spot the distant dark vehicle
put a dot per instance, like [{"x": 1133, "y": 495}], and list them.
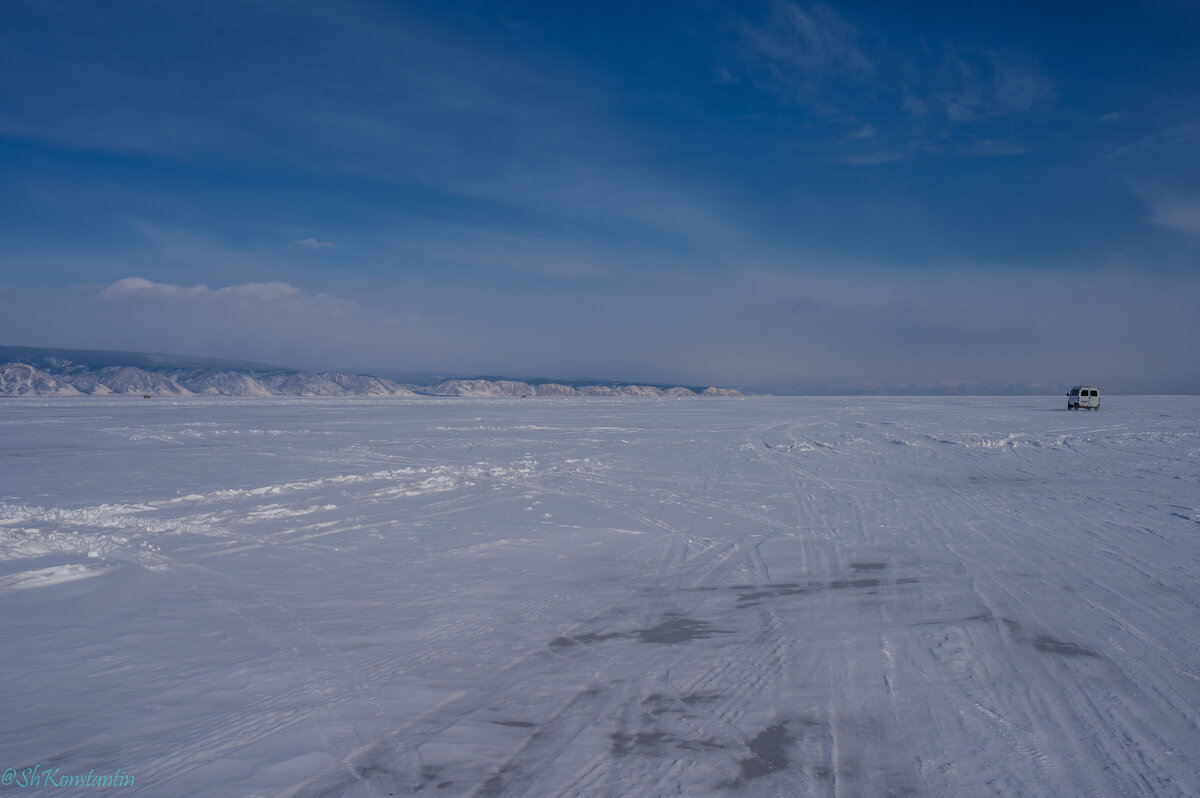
[{"x": 1085, "y": 396}]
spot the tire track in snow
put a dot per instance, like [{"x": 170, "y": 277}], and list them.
[{"x": 1044, "y": 721}]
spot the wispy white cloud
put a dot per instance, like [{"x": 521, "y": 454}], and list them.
[
  {"x": 805, "y": 45},
  {"x": 1169, "y": 206},
  {"x": 891, "y": 97},
  {"x": 362, "y": 102},
  {"x": 1181, "y": 214},
  {"x": 889, "y": 152},
  {"x": 1017, "y": 88},
  {"x": 995, "y": 147},
  {"x": 556, "y": 260},
  {"x": 278, "y": 294},
  {"x": 973, "y": 85},
  {"x": 625, "y": 196},
  {"x": 312, "y": 243},
  {"x": 876, "y": 157},
  {"x": 1172, "y": 136}
]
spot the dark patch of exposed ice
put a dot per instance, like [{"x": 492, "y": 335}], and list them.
[
  {"x": 676, "y": 629},
  {"x": 1052, "y": 646},
  {"x": 700, "y": 698},
  {"x": 591, "y": 637},
  {"x": 768, "y": 753},
  {"x": 841, "y": 584},
  {"x": 623, "y": 743}
]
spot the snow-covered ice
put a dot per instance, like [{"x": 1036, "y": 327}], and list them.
[{"x": 603, "y": 597}]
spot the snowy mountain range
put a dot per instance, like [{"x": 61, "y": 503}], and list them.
[{"x": 31, "y": 371}]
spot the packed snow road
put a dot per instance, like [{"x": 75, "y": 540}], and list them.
[{"x": 544, "y": 597}]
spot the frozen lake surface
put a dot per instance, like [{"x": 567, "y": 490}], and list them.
[{"x": 540, "y": 597}]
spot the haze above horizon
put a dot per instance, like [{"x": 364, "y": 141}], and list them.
[{"x": 765, "y": 194}]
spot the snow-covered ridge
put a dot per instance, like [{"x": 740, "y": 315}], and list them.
[
  {"x": 18, "y": 379},
  {"x": 50, "y": 374},
  {"x": 21, "y": 379},
  {"x": 519, "y": 388}
]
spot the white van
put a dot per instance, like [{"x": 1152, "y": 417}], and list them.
[{"x": 1085, "y": 396}]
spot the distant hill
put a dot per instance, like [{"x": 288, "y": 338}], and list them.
[
  {"x": 55, "y": 360},
  {"x": 35, "y": 371}
]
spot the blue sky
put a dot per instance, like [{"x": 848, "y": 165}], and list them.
[{"x": 769, "y": 194}]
